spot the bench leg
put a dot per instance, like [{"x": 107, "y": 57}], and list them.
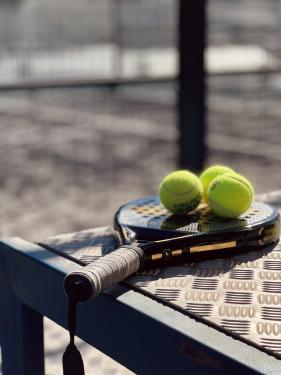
[{"x": 21, "y": 333}]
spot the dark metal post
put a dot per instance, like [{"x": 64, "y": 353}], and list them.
[
  {"x": 191, "y": 97},
  {"x": 116, "y": 37}
]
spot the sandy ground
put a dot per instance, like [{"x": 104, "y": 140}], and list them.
[
  {"x": 74, "y": 166},
  {"x": 69, "y": 158}
]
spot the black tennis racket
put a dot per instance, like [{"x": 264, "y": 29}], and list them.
[{"x": 151, "y": 237}]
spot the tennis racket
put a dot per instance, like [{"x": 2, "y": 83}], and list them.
[{"x": 151, "y": 237}]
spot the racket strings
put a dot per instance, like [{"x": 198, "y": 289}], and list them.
[{"x": 149, "y": 213}]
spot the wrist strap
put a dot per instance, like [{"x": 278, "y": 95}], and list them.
[{"x": 72, "y": 360}]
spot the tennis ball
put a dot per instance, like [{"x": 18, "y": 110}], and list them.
[
  {"x": 180, "y": 192},
  {"x": 209, "y": 174},
  {"x": 230, "y": 195}
]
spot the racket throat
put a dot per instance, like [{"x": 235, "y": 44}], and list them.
[
  {"x": 167, "y": 253},
  {"x": 172, "y": 249}
]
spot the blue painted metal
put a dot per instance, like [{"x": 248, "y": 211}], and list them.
[
  {"x": 21, "y": 330},
  {"x": 135, "y": 330}
]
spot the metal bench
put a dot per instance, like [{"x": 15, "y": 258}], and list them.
[{"x": 142, "y": 332}]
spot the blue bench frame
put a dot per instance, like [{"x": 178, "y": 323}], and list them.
[{"x": 135, "y": 330}]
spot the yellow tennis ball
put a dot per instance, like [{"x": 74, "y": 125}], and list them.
[
  {"x": 180, "y": 192},
  {"x": 209, "y": 174},
  {"x": 230, "y": 195}
]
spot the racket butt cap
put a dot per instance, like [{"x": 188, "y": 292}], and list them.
[{"x": 78, "y": 287}]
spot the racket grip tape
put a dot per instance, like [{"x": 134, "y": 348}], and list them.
[{"x": 87, "y": 283}]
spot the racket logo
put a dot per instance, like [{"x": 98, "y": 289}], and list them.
[{"x": 167, "y": 253}]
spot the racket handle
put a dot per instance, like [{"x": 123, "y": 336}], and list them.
[{"x": 87, "y": 283}]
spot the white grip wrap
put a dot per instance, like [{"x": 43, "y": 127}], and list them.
[{"x": 108, "y": 270}]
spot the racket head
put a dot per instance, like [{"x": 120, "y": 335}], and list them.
[{"x": 146, "y": 219}]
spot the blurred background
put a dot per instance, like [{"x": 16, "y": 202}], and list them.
[
  {"x": 100, "y": 99},
  {"x": 90, "y": 115}
]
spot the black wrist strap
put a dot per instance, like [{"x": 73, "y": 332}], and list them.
[{"x": 72, "y": 360}]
